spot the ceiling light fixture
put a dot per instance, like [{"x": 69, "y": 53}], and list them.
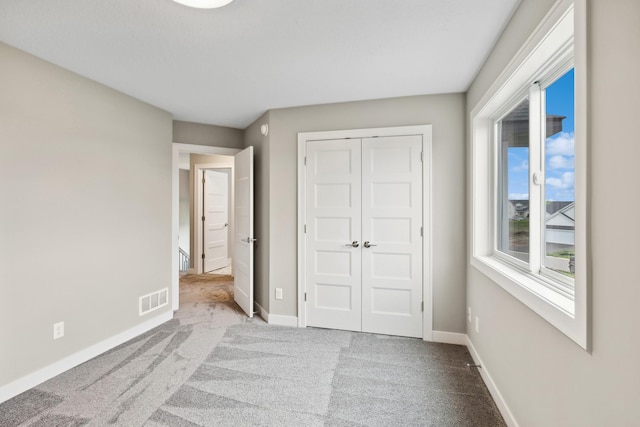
[{"x": 204, "y": 4}]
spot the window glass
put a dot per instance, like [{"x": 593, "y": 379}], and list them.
[
  {"x": 513, "y": 197},
  {"x": 559, "y": 227}
]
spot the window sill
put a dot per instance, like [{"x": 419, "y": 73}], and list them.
[{"x": 556, "y": 308}]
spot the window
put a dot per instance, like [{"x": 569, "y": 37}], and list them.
[
  {"x": 529, "y": 174},
  {"x": 534, "y": 147}
]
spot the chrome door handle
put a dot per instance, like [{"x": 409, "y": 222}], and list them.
[
  {"x": 368, "y": 245},
  {"x": 249, "y": 240},
  {"x": 355, "y": 244}
]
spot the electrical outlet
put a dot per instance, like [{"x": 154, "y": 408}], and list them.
[
  {"x": 278, "y": 293},
  {"x": 477, "y": 325},
  {"x": 469, "y": 314},
  {"x": 58, "y": 330}
]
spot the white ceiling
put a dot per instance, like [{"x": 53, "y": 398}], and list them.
[{"x": 227, "y": 66}]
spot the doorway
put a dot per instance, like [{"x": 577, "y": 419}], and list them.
[
  {"x": 364, "y": 246},
  {"x": 243, "y": 238}
]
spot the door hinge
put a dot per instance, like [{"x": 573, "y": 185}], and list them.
[
  {"x": 422, "y": 306},
  {"x": 203, "y": 218},
  {"x": 202, "y": 256},
  {"x": 305, "y": 160},
  {"x": 305, "y": 297},
  {"x": 203, "y": 180},
  {"x": 421, "y": 232},
  {"x": 422, "y": 156},
  {"x": 305, "y": 229}
]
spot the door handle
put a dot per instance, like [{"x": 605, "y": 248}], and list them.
[
  {"x": 249, "y": 240},
  {"x": 368, "y": 245},
  {"x": 354, "y": 244},
  {"x": 226, "y": 224}
]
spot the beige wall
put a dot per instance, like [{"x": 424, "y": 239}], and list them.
[
  {"x": 262, "y": 197},
  {"x": 210, "y": 135},
  {"x": 545, "y": 378},
  {"x": 85, "y": 184},
  {"x": 446, "y": 114}
]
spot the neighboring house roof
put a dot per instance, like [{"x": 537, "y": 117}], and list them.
[
  {"x": 518, "y": 208},
  {"x": 565, "y": 217},
  {"x": 520, "y": 205},
  {"x": 553, "y": 207},
  {"x": 558, "y": 213}
]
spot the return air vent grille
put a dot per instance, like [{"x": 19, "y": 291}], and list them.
[{"x": 154, "y": 301}]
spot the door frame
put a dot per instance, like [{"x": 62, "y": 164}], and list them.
[
  {"x": 426, "y": 132},
  {"x": 198, "y": 208},
  {"x": 178, "y": 148}
]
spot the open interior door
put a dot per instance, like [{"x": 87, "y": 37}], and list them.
[
  {"x": 215, "y": 220},
  {"x": 244, "y": 238}
]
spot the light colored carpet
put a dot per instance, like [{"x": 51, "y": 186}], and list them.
[{"x": 212, "y": 366}]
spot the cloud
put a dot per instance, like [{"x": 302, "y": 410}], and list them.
[
  {"x": 560, "y": 162},
  {"x": 561, "y": 144},
  {"x": 523, "y": 167},
  {"x": 564, "y": 182},
  {"x": 518, "y": 196}
]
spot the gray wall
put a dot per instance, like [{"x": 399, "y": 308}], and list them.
[
  {"x": 202, "y": 134},
  {"x": 85, "y": 183},
  {"x": 446, "y": 114},
  {"x": 261, "y": 146},
  {"x": 544, "y": 377}
]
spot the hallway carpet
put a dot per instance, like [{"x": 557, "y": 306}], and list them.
[{"x": 212, "y": 366}]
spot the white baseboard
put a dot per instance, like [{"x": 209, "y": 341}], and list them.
[
  {"x": 449, "y": 338},
  {"x": 493, "y": 389},
  {"x": 276, "y": 319},
  {"x": 261, "y": 312},
  {"x": 41, "y": 375}
]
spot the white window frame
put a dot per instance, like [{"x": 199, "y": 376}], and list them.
[{"x": 558, "y": 43}]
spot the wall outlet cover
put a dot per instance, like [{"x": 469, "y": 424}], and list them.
[{"x": 58, "y": 330}]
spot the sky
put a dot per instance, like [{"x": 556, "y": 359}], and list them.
[{"x": 559, "y": 149}]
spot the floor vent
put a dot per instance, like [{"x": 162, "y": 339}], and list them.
[{"x": 154, "y": 301}]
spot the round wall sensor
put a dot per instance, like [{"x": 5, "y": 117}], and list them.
[{"x": 264, "y": 129}]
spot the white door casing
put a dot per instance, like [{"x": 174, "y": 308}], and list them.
[
  {"x": 216, "y": 220},
  {"x": 395, "y": 213},
  {"x": 333, "y": 212},
  {"x": 177, "y": 150},
  {"x": 391, "y": 234},
  {"x": 244, "y": 238}
]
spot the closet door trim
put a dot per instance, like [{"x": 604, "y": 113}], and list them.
[{"x": 425, "y": 131}]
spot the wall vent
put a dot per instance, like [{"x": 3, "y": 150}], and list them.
[{"x": 154, "y": 301}]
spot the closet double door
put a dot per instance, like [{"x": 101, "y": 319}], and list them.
[{"x": 364, "y": 234}]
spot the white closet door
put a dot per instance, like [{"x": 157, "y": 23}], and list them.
[
  {"x": 391, "y": 224},
  {"x": 333, "y": 213}
]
